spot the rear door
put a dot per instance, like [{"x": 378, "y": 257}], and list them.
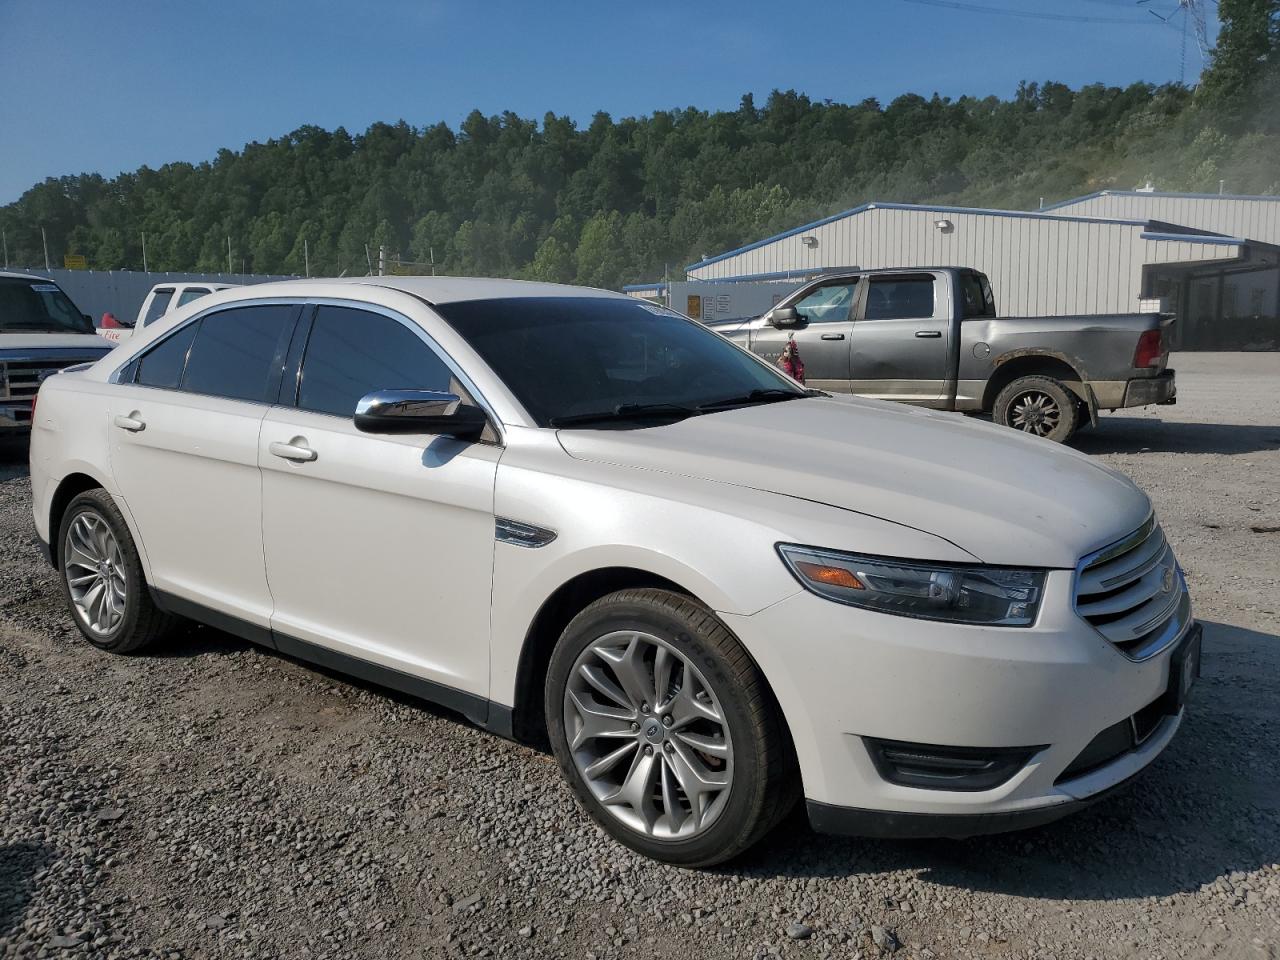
[
  {"x": 184, "y": 452},
  {"x": 823, "y": 334},
  {"x": 901, "y": 339}
]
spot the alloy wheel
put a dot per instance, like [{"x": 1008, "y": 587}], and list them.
[
  {"x": 1036, "y": 412},
  {"x": 94, "y": 568},
  {"x": 648, "y": 735}
]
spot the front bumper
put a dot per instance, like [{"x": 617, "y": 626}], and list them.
[{"x": 842, "y": 674}]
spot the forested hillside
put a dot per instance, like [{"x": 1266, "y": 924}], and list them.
[{"x": 626, "y": 199}]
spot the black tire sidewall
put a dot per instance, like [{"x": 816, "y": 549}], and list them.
[
  {"x": 749, "y": 775},
  {"x": 1063, "y": 396},
  {"x": 100, "y": 505}
]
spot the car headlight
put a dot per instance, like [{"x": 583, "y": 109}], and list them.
[{"x": 955, "y": 593}]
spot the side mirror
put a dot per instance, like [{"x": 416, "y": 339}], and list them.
[
  {"x": 784, "y": 317},
  {"x": 419, "y": 411}
]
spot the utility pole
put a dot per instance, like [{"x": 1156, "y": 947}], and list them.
[
  {"x": 431, "y": 252},
  {"x": 1222, "y": 187},
  {"x": 144, "y": 251},
  {"x": 229, "y": 268},
  {"x": 382, "y": 260},
  {"x": 45, "y": 240},
  {"x": 5, "y": 237},
  {"x": 306, "y": 256}
]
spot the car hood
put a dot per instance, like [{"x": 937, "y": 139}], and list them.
[
  {"x": 1002, "y": 496},
  {"x": 52, "y": 341}
]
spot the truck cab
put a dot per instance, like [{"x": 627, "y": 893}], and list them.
[
  {"x": 161, "y": 299},
  {"x": 41, "y": 333}
]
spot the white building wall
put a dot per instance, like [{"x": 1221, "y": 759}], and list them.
[
  {"x": 1252, "y": 218},
  {"x": 1038, "y": 265}
]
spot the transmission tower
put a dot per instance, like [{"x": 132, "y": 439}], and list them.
[{"x": 1193, "y": 18}]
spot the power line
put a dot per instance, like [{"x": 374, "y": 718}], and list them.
[{"x": 1028, "y": 14}]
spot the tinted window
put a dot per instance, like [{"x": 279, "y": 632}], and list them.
[
  {"x": 900, "y": 298},
  {"x": 573, "y": 357},
  {"x": 975, "y": 295},
  {"x": 354, "y": 352},
  {"x": 237, "y": 351},
  {"x": 162, "y": 365},
  {"x": 38, "y": 306},
  {"x": 189, "y": 294},
  {"x": 829, "y": 304},
  {"x": 159, "y": 304}
]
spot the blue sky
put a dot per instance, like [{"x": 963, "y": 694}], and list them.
[{"x": 93, "y": 86}]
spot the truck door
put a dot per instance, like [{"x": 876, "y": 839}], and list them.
[
  {"x": 901, "y": 339},
  {"x": 823, "y": 334}
]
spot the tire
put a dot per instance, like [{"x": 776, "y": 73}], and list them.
[
  {"x": 1040, "y": 406},
  {"x": 744, "y": 762},
  {"x": 125, "y": 620}
]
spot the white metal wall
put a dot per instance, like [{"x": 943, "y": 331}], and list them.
[
  {"x": 1250, "y": 218},
  {"x": 1038, "y": 265}
]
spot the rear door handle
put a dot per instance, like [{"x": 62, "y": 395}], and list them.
[
  {"x": 296, "y": 450},
  {"x": 833, "y": 336},
  {"x": 928, "y": 334},
  {"x": 130, "y": 423}
]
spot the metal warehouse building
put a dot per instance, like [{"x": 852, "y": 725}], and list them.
[{"x": 1213, "y": 260}]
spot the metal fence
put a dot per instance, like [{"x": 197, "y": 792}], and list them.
[{"x": 121, "y": 292}]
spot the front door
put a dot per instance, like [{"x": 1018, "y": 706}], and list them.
[
  {"x": 377, "y": 547},
  {"x": 184, "y": 453},
  {"x": 822, "y": 334},
  {"x": 901, "y": 341}
]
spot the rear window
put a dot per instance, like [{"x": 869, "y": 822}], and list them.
[
  {"x": 162, "y": 365},
  {"x": 38, "y": 306},
  {"x": 975, "y": 296},
  {"x": 158, "y": 306}
]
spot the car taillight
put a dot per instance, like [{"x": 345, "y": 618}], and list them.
[{"x": 1150, "y": 349}]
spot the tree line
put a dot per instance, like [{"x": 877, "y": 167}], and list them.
[{"x": 631, "y": 199}]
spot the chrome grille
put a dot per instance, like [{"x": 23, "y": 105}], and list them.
[
  {"x": 1133, "y": 593},
  {"x": 20, "y": 379}
]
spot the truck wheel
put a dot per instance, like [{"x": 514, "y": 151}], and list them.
[
  {"x": 666, "y": 731},
  {"x": 102, "y": 577},
  {"x": 1038, "y": 405}
]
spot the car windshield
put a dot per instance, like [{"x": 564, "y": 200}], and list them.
[
  {"x": 587, "y": 361},
  {"x": 38, "y": 306}
]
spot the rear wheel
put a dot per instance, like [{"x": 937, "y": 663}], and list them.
[
  {"x": 666, "y": 730},
  {"x": 1038, "y": 405},
  {"x": 102, "y": 577}
]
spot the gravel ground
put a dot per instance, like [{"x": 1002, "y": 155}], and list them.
[{"x": 217, "y": 800}]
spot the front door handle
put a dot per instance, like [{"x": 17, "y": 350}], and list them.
[
  {"x": 132, "y": 423},
  {"x": 928, "y": 334},
  {"x": 833, "y": 336},
  {"x": 295, "y": 450}
]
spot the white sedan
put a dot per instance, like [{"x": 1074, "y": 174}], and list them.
[{"x": 575, "y": 517}]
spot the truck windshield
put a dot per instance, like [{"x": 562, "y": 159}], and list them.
[
  {"x": 588, "y": 361},
  {"x": 38, "y": 306}
]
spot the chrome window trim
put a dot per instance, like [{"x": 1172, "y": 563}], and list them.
[{"x": 415, "y": 328}]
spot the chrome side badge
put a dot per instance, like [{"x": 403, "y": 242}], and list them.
[{"x": 521, "y": 534}]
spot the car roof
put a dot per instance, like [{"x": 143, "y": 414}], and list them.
[
  {"x": 11, "y": 275},
  {"x": 436, "y": 289}
]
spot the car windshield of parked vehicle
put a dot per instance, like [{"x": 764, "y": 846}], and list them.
[
  {"x": 586, "y": 361},
  {"x": 38, "y": 306}
]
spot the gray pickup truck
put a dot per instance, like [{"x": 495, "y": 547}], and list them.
[{"x": 931, "y": 337}]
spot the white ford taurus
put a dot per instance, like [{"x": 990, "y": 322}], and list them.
[{"x": 572, "y": 516}]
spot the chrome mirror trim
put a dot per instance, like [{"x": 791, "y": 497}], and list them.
[{"x": 408, "y": 403}]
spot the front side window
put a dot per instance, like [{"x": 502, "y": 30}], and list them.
[
  {"x": 189, "y": 294},
  {"x": 237, "y": 351},
  {"x": 578, "y": 360},
  {"x": 828, "y": 304},
  {"x": 351, "y": 353},
  {"x": 38, "y": 306},
  {"x": 900, "y": 298},
  {"x": 157, "y": 307}
]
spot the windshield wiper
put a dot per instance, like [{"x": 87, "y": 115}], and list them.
[
  {"x": 628, "y": 411},
  {"x": 771, "y": 395}
]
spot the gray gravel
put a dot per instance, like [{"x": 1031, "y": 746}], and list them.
[{"x": 217, "y": 800}]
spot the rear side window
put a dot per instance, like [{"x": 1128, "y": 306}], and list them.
[
  {"x": 975, "y": 295},
  {"x": 900, "y": 298},
  {"x": 238, "y": 352},
  {"x": 189, "y": 294},
  {"x": 354, "y": 352},
  {"x": 162, "y": 365},
  {"x": 158, "y": 306}
]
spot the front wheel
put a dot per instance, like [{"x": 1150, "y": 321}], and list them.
[
  {"x": 1041, "y": 406},
  {"x": 665, "y": 729}
]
